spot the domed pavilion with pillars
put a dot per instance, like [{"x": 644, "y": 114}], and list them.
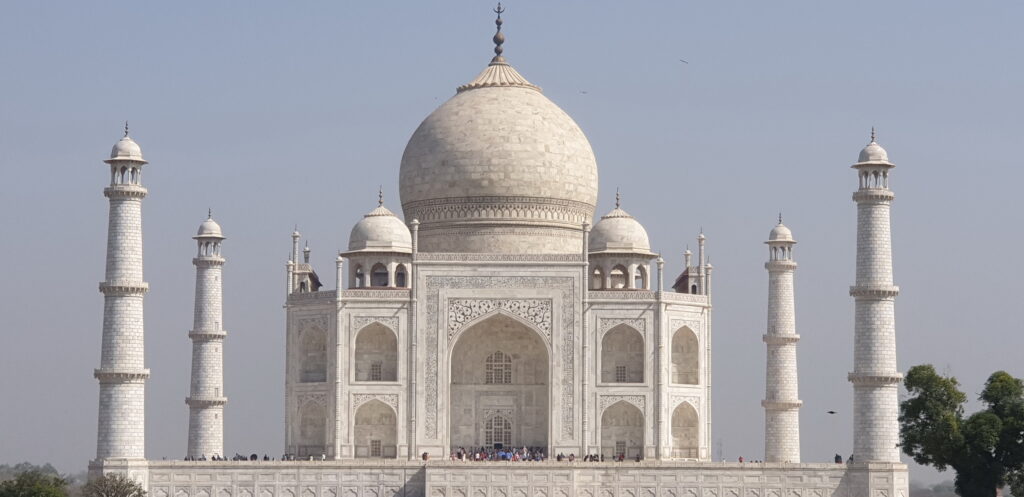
[{"x": 496, "y": 318}]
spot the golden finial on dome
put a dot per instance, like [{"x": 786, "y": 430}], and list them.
[
  {"x": 126, "y": 128},
  {"x": 499, "y": 38},
  {"x": 618, "y": 198},
  {"x": 872, "y": 134},
  {"x": 380, "y": 196}
]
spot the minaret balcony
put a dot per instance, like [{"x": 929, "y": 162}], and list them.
[
  {"x": 124, "y": 288},
  {"x": 875, "y": 379},
  {"x": 778, "y": 405},
  {"x": 207, "y": 335},
  {"x": 876, "y": 292},
  {"x": 208, "y": 261},
  {"x": 873, "y": 195},
  {"x": 780, "y": 265},
  {"x": 113, "y": 375},
  {"x": 780, "y": 339},
  {"x": 125, "y": 191},
  {"x": 206, "y": 401}
]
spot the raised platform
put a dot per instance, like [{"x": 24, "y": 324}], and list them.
[{"x": 379, "y": 478}]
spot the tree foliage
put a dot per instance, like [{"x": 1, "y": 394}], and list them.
[
  {"x": 986, "y": 449},
  {"x": 34, "y": 483},
  {"x": 113, "y": 485}
]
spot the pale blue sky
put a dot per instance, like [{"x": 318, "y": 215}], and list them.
[{"x": 276, "y": 113}]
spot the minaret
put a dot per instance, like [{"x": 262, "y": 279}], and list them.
[
  {"x": 781, "y": 403},
  {"x": 122, "y": 374},
  {"x": 875, "y": 377},
  {"x": 206, "y": 392}
]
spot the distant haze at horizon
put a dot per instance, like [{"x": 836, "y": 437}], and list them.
[{"x": 274, "y": 115}]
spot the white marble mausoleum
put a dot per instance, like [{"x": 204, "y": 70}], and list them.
[{"x": 497, "y": 312}]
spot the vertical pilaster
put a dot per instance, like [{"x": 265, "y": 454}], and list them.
[
  {"x": 781, "y": 402},
  {"x": 122, "y": 373},
  {"x": 206, "y": 391},
  {"x": 875, "y": 376}
]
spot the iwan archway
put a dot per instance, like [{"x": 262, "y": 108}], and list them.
[{"x": 499, "y": 386}]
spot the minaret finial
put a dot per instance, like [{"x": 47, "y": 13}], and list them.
[
  {"x": 126, "y": 128},
  {"x": 780, "y": 217},
  {"x": 209, "y": 213},
  {"x": 380, "y": 196},
  {"x": 872, "y": 134},
  {"x": 618, "y": 198},
  {"x": 499, "y": 38}
]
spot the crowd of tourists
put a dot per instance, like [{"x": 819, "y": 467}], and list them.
[{"x": 485, "y": 454}]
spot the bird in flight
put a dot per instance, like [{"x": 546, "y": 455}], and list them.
[
  {"x": 683, "y": 61},
  {"x": 583, "y": 92},
  {"x": 831, "y": 412}
]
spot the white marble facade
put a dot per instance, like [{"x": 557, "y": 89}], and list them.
[{"x": 495, "y": 314}]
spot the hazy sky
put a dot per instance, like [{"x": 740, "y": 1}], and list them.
[{"x": 277, "y": 113}]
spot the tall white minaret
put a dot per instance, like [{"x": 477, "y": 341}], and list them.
[
  {"x": 875, "y": 377},
  {"x": 122, "y": 374},
  {"x": 206, "y": 393},
  {"x": 781, "y": 401}
]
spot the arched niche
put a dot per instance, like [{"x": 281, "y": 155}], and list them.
[
  {"x": 313, "y": 355},
  {"x": 376, "y": 354},
  {"x": 685, "y": 431},
  {"x": 622, "y": 431},
  {"x": 379, "y": 275},
  {"x": 376, "y": 429},
  {"x": 622, "y": 355},
  {"x": 519, "y": 384},
  {"x": 312, "y": 439},
  {"x": 618, "y": 277},
  {"x": 360, "y": 277},
  {"x": 597, "y": 279},
  {"x": 401, "y": 276},
  {"x": 640, "y": 278},
  {"x": 685, "y": 357}
]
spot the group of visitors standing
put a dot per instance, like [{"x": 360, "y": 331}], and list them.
[{"x": 484, "y": 454}]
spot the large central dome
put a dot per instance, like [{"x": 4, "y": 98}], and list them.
[{"x": 499, "y": 168}]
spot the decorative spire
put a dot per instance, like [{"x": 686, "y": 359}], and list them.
[
  {"x": 380, "y": 196},
  {"x": 780, "y": 217},
  {"x": 872, "y": 134},
  {"x": 126, "y": 129},
  {"x": 618, "y": 198},
  {"x": 209, "y": 213},
  {"x": 499, "y": 38}
]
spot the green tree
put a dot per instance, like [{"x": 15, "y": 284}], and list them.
[
  {"x": 986, "y": 449},
  {"x": 34, "y": 484},
  {"x": 113, "y": 485}
]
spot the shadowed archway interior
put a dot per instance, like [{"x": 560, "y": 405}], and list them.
[{"x": 499, "y": 386}]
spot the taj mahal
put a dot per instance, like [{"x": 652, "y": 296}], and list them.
[{"x": 496, "y": 313}]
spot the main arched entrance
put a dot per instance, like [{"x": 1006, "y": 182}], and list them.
[{"x": 499, "y": 386}]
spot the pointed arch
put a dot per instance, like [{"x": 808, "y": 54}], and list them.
[
  {"x": 379, "y": 275},
  {"x": 685, "y": 357},
  {"x": 312, "y": 355},
  {"x": 375, "y": 355},
  {"x": 516, "y": 351},
  {"x": 597, "y": 279},
  {"x": 376, "y": 430},
  {"x": 685, "y": 432},
  {"x": 622, "y": 355},
  {"x": 640, "y": 277},
  {"x": 312, "y": 429},
  {"x": 622, "y": 431},
  {"x": 360, "y": 276},
  {"x": 618, "y": 276},
  {"x": 401, "y": 276}
]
